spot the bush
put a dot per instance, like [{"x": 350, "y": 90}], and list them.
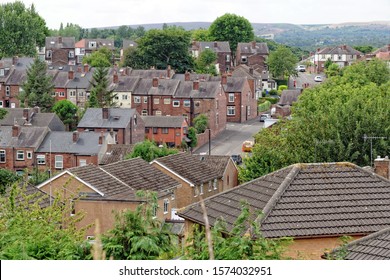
[
  {"x": 201, "y": 123},
  {"x": 281, "y": 88},
  {"x": 265, "y": 106}
]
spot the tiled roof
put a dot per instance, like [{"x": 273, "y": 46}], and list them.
[
  {"x": 163, "y": 121},
  {"x": 215, "y": 46},
  {"x": 216, "y": 162},
  {"x": 260, "y": 48},
  {"x": 235, "y": 84},
  {"x": 116, "y": 153},
  {"x": 244, "y": 71},
  {"x": 126, "y": 84},
  {"x": 128, "y": 43},
  {"x": 206, "y": 90},
  {"x": 29, "y": 137},
  {"x": 118, "y": 118},
  {"x": 289, "y": 97},
  {"x": 165, "y": 87},
  {"x": 375, "y": 246},
  {"x": 36, "y": 194},
  {"x": 193, "y": 168},
  {"x": 307, "y": 200},
  {"x": 340, "y": 50},
  {"x": 54, "y": 43}
]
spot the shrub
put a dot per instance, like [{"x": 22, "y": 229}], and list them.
[{"x": 201, "y": 123}]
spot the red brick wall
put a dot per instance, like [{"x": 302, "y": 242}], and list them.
[
  {"x": 69, "y": 161},
  {"x": 11, "y": 160}
]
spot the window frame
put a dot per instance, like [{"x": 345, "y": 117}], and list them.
[
  {"x": 39, "y": 159},
  {"x": 3, "y": 155},
  {"x": 137, "y": 99},
  {"x": 176, "y": 103},
  {"x": 56, "y": 161},
  {"x": 166, "y": 206},
  {"x": 19, "y": 153},
  {"x": 233, "y": 110},
  {"x": 231, "y": 97},
  {"x": 164, "y": 130}
]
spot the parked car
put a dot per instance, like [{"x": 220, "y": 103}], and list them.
[
  {"x": 263, "y": 117},
  {"x": 318, "y": 79},
  {"x": 301, "y": 68},
  {"x": 237, "y": 159},
  {"x": 247, "y": 146}
]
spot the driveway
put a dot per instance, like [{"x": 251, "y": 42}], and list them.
[{"x": 230, "y": 141}]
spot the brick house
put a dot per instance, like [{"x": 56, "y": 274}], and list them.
[
  {"x": 315, "y": 204},
  {"x": 221, "y": 49},
  {"x": 124, "y": 86},
  {"x": 170, "y": 130},
  {"x": 86, "y": 47},
  {"x": 12, "y": 77},
  {"x": 18, "y": 146},
  {"x": 253, "y": 55},
  {"x": 341, "y": 55},
  {"x": 60, "y": 50},
  {"x": 62, "y": 150},
  {"x": 288, "y": 97},
  {"x": 100, "y": 191},
  {"x": 254, "y": 78},
  {"x": 198, "y": 175},
  {"x": 125, "y": 45},
  {"x": 126, "y": 124},
  {"x": 241, "y": 101},
  {"x": 78, "y": 85}
]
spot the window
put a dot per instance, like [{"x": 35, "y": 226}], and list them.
[
  {"x": 19, "y": 155},
  {"x": 210, "y": 186},
  {"x": 29, "y": 155},
  {"x": 48, "y": 53},
  {"x": 145, "y": 99},
  {"x": 71, "y": 54},
  {"x": 172, "y": 196},
  {"x": 124, "y": 96},
  {"x": 187, "y": 103},
  {"x": 81, "y": 94},
  {"x": 340, "y": 57},
  {"x": 248, "y": 110},
  {"x": 231, "y": 97},
  {"x": 164, "y": 130},
  {"x": 167, "y": 101},
  {"x": 231, "y": 110},
  {"x": 72, "y": 93},
  {"x": 144, "y": 113},
  {"x": 1, "y": 104},
  {"x": 41, "y": 159},
  {"x": 7, "y": 91},
  {"x": 137, "y": 99},
  {"x": 92, "y": 44},
  {"x": 155, "y": 130},
  {"x": 146, "y": 130},
  {"x": 59, "y": 162},
  {"x": 156, "y": 100},
  {"x": 154, "y": 211},
  {"x": 228, "y": 58},
  {"x": 61, "y": 94},
  {"x": 2, "y": 156},
  {"x": 166, "y": 204},
  {"x": 53, "y": 94},
  {"x": 215, "y": 186},
  {"x": 82, "y": 162},
  {"x": 1, "y": 72},
  {"x": 176, "y": 103},
  {"x": 158, "y": 113}
]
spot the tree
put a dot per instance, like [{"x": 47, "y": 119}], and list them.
[
  {"x": 329, "y": 122},
  {"x": 29, "y": 231},
  {"x": 22, "y": 29},
  {"x": 133, "y": 58},
  {"x": 67, "y": 112},
  {"x": 232, "y": 28},
  {"x": 7, "y": 178},
  {"x": 101, "y": 89},
  {"x": 149, "y": 151},
  {"x": 282, "y": 62},
  {"x": 235, "y": 244},
  {"x": 201, "y": 123},
  {"x": 160, "y": 48},
  {"x": 332, "y": 70},
  {"x": 192, "y": 136},
  {"x": 364, "y": 49},
  {"x": 3, "y": 112},
  {"x": 205, "y": 63},
  {"x": 38, "y": 87},
  {"x": 201, "y": 35},
  {"x": 137, "y": 235},
  {"x": 99, "y": 58}
]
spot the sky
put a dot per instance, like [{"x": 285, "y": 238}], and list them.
[{"x": 98, "y": 13}]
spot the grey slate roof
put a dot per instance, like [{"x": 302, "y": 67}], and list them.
[
  {"x": 243, "y": 70},
  {"x": 36, "y": 194},
  {"x": 235, "y": 84},
  {"x": 206, "y": 90},
  {"x": 81, "y": 80},
  {"x": 375, "y": 246},
  {"x": 289, "y": 97},
  {"x": 126, "y": 84},
  {"x": 50, "y": 120},
  {"x": 340, "y": 50},
  {"x": 116, "y": 153},
  {"x": 307, "y": 200},
  {"x": 220, "y": 46},
  {"x": 62, "y": 142},
  {"x": 163, "y": 121},
  {"x": 191, "y": 167},
  {"x": 260, "y": 48},
  {"x": 128, "y": 43},
  {"x": 29, "y": 137},
  {"x": 118, "y": 118},
  {"x": 54, "y": 43},
  {"x": 166, "y": 87},
  {"x": 151, "y": 73}
]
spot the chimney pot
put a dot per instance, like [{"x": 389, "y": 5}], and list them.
[
  {"x": 187, "y": 76},
  {"x": 15, "y": 130},
  {"x": 70, "y": 74},
  {"x": 215, "y": 44},
  {"x": 15, "y": 60},
  {"x": 105, "y": 113},
  {"x": 76, "y": 136},
  {"x": 25, "y": 114},
  {"x": 224, "y": 79},
  {"x": 155, "y": 82},
  {"x": 382, "y": 167},
  {"x": 195, "y": 85},
  {"x": 168, "y": 71}
]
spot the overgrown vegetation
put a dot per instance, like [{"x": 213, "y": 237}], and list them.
[{"x": 148, "y": 150}]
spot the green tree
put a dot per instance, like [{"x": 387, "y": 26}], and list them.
[
  {"x": 38, "y": 87},
  {"x": 3, "y": 112},
  {"x": 205, "y": 63},
  {"x": 232, "y": 28},
  {"x": 67, "y": 112},
  {"x": 133, "y": 58},
  {"x": 201, "y": 35},
  {"x": 22, "y": 29},
  {"x": 99, "y": 58},
  {"x": 7, "y": 178},
  {"x": 137, "y": 235},
  {"x": 332, "y": 70},
  {"x": 329, "y": 123},
  {"x": 235, "y": 244},
  {"x": 192, "y": 136},
  {"x": 101, "y": 89},
  {"x": 160, "y": 48},
  {"x": 364, "y": 49},
  {"x": 282, "y": 62},
  {"x": 149, "y": 151},
  {"x": 28, "y": 231},
  {"x": 328, "y": 62},
  {"x": 201, "y": 123}
]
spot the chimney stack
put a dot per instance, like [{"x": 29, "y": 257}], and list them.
[
  {"x": 253, "y": 44},
  {"x": 169, "y": 71},
  {"x": 15, "y": 130},
  {"x": 187, "y": 76},
  {"x": 86, "y": 68},
  {"x": 101, "y": 138},
  {"x": 224, "y": 79},
  {"x": 15, "y": 60},
  {"x": 155, "y": 82},
  {"x": 25, "y": 114},
  {"x": 382, "y": 167},
  {"x": 76, "y": 136},
  {"x": 105, "y": 113},
  {"x": 70, "y": 74},
  {"x": 59, "y": 40},
  {"x": 115, "y": 78},
  {"x": 195, "y": 85}
]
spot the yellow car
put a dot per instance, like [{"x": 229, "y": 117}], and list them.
[{"x": 247, "y": 146}]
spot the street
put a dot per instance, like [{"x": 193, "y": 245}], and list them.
[
  {"x": 304, "y": 78},
  {"x": 230, "y": 141}
]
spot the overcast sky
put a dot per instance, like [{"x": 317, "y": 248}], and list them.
[{"x": 98, "y": 13}]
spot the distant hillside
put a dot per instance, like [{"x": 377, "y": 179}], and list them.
[{"x": 309, "y": 36}]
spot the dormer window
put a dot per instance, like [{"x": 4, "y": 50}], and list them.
[
  {"x": 1, "y": 72},
  {"x": 92, "y": 44},
  {"x": 48, "y": 53}
]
